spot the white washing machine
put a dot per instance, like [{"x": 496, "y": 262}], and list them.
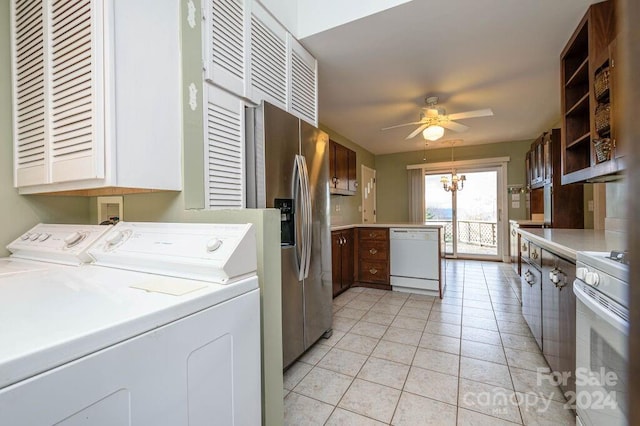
[
  {"x": 46, "y": 246},
  {"x": 163, "y": 329}
]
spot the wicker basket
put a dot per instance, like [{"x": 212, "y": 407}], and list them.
[
  {"x": 603, "y": 118},
  {"x": 603, "y": 149},
  {"x": 601, "y": 84}
]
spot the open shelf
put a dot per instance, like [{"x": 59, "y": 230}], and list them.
[
  {"x": 577, "y": 141},
  {"x": 581, "y": 105},
  {"x": 580, "y": 76}
]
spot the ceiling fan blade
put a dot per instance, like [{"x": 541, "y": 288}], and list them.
[
  {"x": 418, "y": 130},
  {"x": 456, "y": 127},
  {"x": 471, "y": 114},
  {"x": 402, "y": 125}
]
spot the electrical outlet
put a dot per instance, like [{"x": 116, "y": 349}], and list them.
[
  {"x": 337, "y": 207},
  {"x": 590, "y": 205},
  {"x": 110, "y": 209}
]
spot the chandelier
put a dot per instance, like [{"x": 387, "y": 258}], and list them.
[{"x": 457, "y": 182}]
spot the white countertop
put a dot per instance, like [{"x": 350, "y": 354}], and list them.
[
  {"x": 385, "y": 225},
  {"x": 566, "y": 242},
  {"x": 527, "y": 222}
]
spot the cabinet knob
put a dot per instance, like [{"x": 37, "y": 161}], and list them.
[
  {"x": 371, "y": 235},
  {"x": 524, "y": 247},
  {"x": 529, "y": 278},
  {"x": 373, "y": 271},
  {"x": 373, "y": 251},
  {"x": 534, "y": 254},
  {"x": 513, "y": 232},
  {"x": 355, "y": 184}
]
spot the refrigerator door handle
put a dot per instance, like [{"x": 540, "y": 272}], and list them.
[
  {"x": 300, "y": 200},
  {"x": 308, "y": 220}
]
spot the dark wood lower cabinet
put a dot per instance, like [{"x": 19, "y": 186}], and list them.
[
  {"x": 373, "y": 257},
  {"x": 342, "y": 247},
  {"x": 549, "y": 308},
  {"x": 559, "y": 317},
  {"x": 532, "y": 299}
]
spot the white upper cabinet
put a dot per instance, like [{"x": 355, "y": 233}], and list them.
[
  {"x": 96, "y": 95},
  {"x": 268, "y": 59},
  {"x": 226, "y": 29},
  {"x": 303, "y": 82},
  {"x": 250, "y": 54}
]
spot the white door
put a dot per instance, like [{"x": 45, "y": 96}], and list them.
[
  {"x": 471, "y": 216},
  {"x": 368, "y": 195}
]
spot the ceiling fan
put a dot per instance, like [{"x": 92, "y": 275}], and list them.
[{"x": 434, "y": 119}]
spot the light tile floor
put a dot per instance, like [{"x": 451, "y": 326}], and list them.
[{"x": 407, "y": 359}]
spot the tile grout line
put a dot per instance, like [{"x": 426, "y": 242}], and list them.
[{"x": 507, "y": 361}]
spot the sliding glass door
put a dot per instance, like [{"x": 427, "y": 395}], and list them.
[{"x": 470, "y": 215}]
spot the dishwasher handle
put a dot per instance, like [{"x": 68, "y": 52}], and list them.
[{"x": 413, "y": 234}]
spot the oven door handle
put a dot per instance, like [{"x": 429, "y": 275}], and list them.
[{"x": 612, "y": 319}]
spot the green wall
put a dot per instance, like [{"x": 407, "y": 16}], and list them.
[
  {"x": 345, "y": 209},
  {"x": 18, "y": 212},
  {"x": 391, "y": 174}
]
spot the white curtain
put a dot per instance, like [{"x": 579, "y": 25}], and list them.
[{"x": 416, "y": 195}]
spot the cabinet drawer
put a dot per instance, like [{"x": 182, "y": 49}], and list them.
[
  {"x": 535, "y": 255},
  {"x": 380, "y": 234},
  {"x": 524, "y": 249},
  {"x": 373, "y": 250},
  {"x": 374, "y": 272}
]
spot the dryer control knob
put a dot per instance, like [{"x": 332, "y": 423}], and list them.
[
  {"x": 34, "y": 236},
  {"x": 25, "y": 236},
  {"x": 213, "y": 244},
  {"x": 44, "y": 237},
  {"x": 592, "y": 278},
  {"x": 73, "y": 238}
]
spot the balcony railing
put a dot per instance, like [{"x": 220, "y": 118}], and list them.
[{"x": 473, "y": 232}]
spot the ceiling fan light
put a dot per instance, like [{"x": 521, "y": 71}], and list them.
[{"x": 433, "y": 133}]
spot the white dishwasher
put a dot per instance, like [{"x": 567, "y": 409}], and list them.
[{"x": 415, "y": 260}]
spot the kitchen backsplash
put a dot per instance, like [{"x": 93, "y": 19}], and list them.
[{"x": 617, "y": 207}]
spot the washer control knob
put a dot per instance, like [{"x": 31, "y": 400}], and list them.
[
  {"x": 34, "y": 237},
  {"x": 73, "y": 238},
  {"x": 114, "y": 238},
  {"x": 25, "y": 236},
  {"x": 592, "y": 278},
  {"x": 581, "y": 273},
  {"x": 213, "y": 244},
  {"x": 44, "y": 237}
]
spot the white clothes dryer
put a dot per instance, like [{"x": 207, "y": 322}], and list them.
[{"x": 163, "y": 329}]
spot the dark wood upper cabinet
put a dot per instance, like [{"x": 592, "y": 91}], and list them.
[
  {"x": 591, "y": 148},
  {"x": 562, "y": 205},
  {"x": 342, "y": 169}
]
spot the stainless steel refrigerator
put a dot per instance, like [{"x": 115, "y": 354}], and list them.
[{"x": 288, "y": 169}]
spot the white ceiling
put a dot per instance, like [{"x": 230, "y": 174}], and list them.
[{"x": 501, "y": 54}]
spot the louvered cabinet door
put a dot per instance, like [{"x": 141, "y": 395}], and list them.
[
  {"x": 76, "y": 143},
  {"x": 30, "y": 126},
  {"x": 226, "y": 29},
  {"x": 303, "y": 82},
  {"x": 225, "y": 149},
  {"x": 267, "y": 79}
]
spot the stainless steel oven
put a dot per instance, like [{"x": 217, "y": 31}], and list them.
[{"x": 602, "y": 329}]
